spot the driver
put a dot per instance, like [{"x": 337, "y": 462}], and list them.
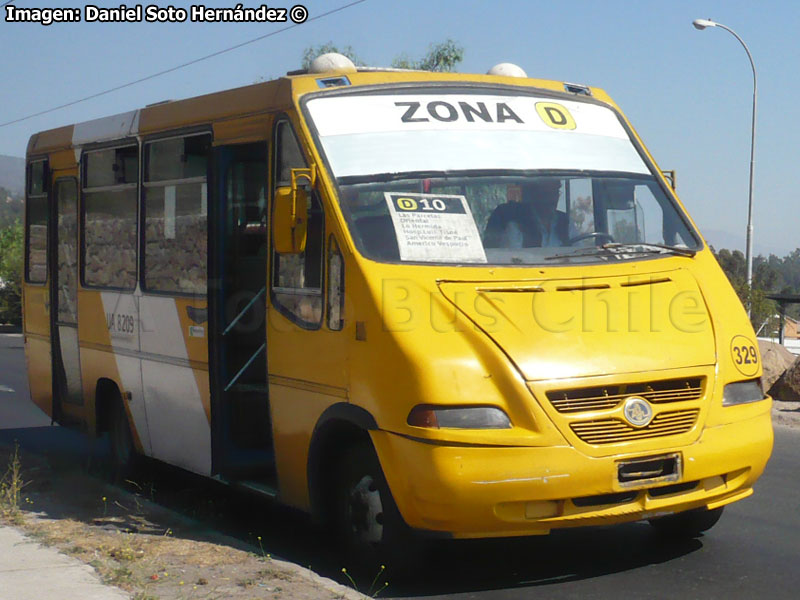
[{"x": 531, "y": 221}]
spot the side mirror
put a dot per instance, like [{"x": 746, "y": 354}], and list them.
[{"x": 290, "y": 213}]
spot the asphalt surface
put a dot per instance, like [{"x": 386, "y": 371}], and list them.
[
  {"x": 754, "y": 551},
  {"x": 15, "y": 409}
]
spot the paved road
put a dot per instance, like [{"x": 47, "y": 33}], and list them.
[
  {"x": 753, "y": 552},
  {"x": 15, "y": 410}
]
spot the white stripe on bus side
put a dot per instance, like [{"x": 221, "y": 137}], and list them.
[
  {"x": 179, "y": 429},
  {"x": 122, "y": 320}
]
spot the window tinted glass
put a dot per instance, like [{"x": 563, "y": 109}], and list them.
[
  {"x": 289, "y": 154},
  {"x": 297, "y": 278},
  {"x": 36, "y": 178},
  {"x": 176, "y": 215},
  {"x": 176, "y": 238},
  {"x": 110, "y": 217},
  {"x": 335, "y": 286},
  {"x": 67, "y": 199},
  {"x": 112, "y": 167},
  {"x": 36, "y": 234},
  {"x": 178, "y": 158},
  {"x": 514, "y": 219},
  {"x": 109, "y": 237}
]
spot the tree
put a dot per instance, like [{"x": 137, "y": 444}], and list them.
[
  {"x": 765, "y": 277},
  {"x": 11, "y": 207},
  {"x": 443, "y": 57},
  {"x": 11, "y": 249}
]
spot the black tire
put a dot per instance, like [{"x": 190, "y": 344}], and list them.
[
  {"x": 365, "y": 517},
  {"x": 689, "y": 524},
  {"x": 124, "y": 458}
]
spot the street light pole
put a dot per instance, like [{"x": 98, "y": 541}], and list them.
[{"x": 702, "y": 24}]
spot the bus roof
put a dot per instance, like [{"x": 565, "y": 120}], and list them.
[{"x": 259, "y": 98}]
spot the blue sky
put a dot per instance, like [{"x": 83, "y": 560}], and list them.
[{"x": 688, "y": 93}]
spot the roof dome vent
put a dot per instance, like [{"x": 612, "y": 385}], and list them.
[
  {"x": 332, "y": 61},
  {"x": 507, "y": 70}
]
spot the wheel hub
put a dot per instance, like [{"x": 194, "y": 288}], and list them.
[{"x": 366, "y": 511}]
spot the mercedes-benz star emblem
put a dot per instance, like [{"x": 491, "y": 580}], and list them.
[{"x": 637, "y": 411}]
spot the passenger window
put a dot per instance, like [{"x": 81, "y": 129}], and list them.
[
  {"x": 176, "y": 215},
  {"x": 297, "y": 278},
  {"x": 36, "y": 220},
  {"x": 109, "y": 217}
]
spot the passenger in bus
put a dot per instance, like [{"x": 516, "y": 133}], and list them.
[{"x": 531, "y": 220}]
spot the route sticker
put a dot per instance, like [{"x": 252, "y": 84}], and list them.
[
  {"x": 435, "y": 228},
  {"x": 555, "y": 115},
  {"x": 744, "y": 355}
]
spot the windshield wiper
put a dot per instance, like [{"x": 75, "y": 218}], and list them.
[
  {"x": 617, "y": 249},
  {"x": 649, "y": 247}
]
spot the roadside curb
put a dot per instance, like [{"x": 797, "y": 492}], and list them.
[
  {"x": 10, "y": 329},
  {"x": 30, "y": 570}
]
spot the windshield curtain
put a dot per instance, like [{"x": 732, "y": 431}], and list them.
[{"x": 463, "y": 178}]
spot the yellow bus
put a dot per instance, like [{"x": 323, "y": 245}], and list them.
[{"x": 461, "y": 305}]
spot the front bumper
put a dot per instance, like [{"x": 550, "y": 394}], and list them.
[{"x": 482, "y": 491}]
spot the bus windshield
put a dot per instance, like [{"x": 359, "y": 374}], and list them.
[{"x": 458, "y": 177}]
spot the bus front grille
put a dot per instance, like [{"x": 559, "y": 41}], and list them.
[
  {"x": 613, "y": 431},
  {"x": 609, "y": 397}
]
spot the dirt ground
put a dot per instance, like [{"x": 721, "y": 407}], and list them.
[
  {"x": 148, "y": 550},
  {"x": 786, "y": 414},
  {"x": 154, "y": 552}
]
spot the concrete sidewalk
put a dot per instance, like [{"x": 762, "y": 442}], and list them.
[{"x": 30, "y": 571}]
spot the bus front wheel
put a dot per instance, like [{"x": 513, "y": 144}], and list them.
[
  {"x": 687, "y": 524},
  {"x": 366, "y": 517}
]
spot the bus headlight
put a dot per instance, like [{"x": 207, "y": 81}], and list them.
[
  {"x": 458, "y": 417},
  {"x": 742, "y": 392}
]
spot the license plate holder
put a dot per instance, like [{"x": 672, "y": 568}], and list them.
[{"x": 649, "y": 470}]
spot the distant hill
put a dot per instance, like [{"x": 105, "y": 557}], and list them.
[{"x": 12, "y": 173}]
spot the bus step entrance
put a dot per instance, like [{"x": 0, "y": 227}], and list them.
[{"x": 250, "y": 420}]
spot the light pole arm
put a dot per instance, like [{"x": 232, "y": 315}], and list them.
[{"x": 746, "y": 49}]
